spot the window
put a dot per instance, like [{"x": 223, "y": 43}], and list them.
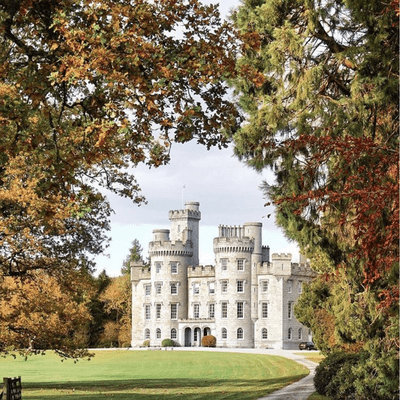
[
  {"x": 264, "y": 333},
  {"x": 224, "y": 310},
  {"x": 264, "y": 310},
  {"x": 224, "y": 264},
  {"x": 224, "y": 286},
  {"x": 195, "y": 335},
  {"x": 174, "y": 268},
  {"x": 211, "y": 288},
  {"x": 158, "y": 267},
  {"x": 211, "y": 310},
  {"x": 240, "y": 286},
  {"x": 239, "y": 334},
  {"x": 158, "y": 288},
  {"x": 147, "y": 334},
  {"x": 196, "y": 310},
  {"x": 300, "y": 287},
  {"x": 158, "y": 333},
  {"x": 173, "y": 333},
  {"x": 158, "y": 311},
  {"x": 174, "y": 311},
  {"x": 300, "y": 334},
  {"x": 289, "y": 286},
  {"x": 147, "y": 290},
  {"x": 290, "y": 309},
  {"x": 289, "y": 335},
  {"x": 265, "y": 286},
  {"x": 240, "y": 309},
  {"x": 240, "y": 265},
  {"x": 147, "y": 311},
  {"x": 174, "y": 288},
  {"x": 224, "y": 333},
  {"x": 196, "y": 288}
]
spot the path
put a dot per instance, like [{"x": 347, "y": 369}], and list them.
[{"x": 300, "y": 390}]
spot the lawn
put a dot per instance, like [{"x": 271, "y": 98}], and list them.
[{"x": 146, "y": 374}]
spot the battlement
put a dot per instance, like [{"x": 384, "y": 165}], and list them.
[
  {"x": 281, "y": 256},
  {"x": 183, "y": 214},
  {"x": 302, "y": 269},
  {"x": 228, "y": 231},
  {"x": 139, "y": 271},
  {"x": 201, "y": 271},
  {"x": 233, "y": 245},
  {"x": 171, "y": 248},
  {"x": 264, "y": 268}
]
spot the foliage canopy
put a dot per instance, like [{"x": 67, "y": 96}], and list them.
[
  {"x": 318, "y": 81},
  {"x": 88, "y": 90}
]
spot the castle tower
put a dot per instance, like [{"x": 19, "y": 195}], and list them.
[
  {"x": 233, "y": 250},
  {"x": 171, "y": 252},
  {"x": 185, "y": 228}
]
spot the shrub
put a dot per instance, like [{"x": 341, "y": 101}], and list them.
[
  {"x": 334, "y": 376},
  {"x": 167, "y": 343},
  {"x": 146, "y": 343},
  {"x": 209, "y": 341}
]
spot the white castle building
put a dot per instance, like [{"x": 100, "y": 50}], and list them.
[{"x": 245, "y": 300}]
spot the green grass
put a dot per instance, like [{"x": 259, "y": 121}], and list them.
[{"x": 146, "y": 374}]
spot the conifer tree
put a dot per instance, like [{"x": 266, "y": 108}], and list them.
[
  {"x": 319, "y": 85},
  {"x": 135, "y": 254}
]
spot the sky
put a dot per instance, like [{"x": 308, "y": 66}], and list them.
[{"x": 228, "y": 192}]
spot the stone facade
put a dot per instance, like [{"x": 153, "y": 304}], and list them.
[{"x": 245, "y": 300}]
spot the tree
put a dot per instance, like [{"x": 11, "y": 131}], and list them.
[
  {"x": 135, "y": 254},
  {"x": 318, "y": 82},
  {"x": 88, "y": 90},
  {"x": 117, "y": 299},
  {"x": 37, "y": 314},
  {"x": 99, "y": 317}
]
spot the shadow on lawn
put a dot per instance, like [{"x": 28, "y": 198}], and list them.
[{"x": 180, "y": 388}]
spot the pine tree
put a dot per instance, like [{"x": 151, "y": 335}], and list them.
[
  {"x": 135, "y": 254},
  {"x": 318, "y": 84}
]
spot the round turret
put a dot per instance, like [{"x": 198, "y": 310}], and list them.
[
  {"x": 161, "y": 235},
  {"x": 192, "y": 205}
]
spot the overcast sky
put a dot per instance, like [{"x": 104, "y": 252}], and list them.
[{"x": 227, "y": 190}]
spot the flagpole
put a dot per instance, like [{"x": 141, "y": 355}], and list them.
[{"x": 183, "y": 189}]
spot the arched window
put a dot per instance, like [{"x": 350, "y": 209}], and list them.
[
  {"x": 289, "y": 335},
  {"x": 300, "y": 334},
  {"x": 173, "y": 333},
  {"x": 264, "y": 333},
  {"x": 158, "y": 333},
  {"x": 240, "y": 333},
  {"x": 224, "y": 333},
  {"x": 147, "y": 334}
]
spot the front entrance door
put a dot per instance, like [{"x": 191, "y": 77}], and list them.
[
  {"x": 197, "y": 337},
  {"x": 188, "y": 337}
]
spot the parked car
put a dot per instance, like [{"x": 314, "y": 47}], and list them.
[{"x": 307, "y": 346}]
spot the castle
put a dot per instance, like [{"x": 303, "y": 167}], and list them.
[{"x": 246, "y": 300}]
